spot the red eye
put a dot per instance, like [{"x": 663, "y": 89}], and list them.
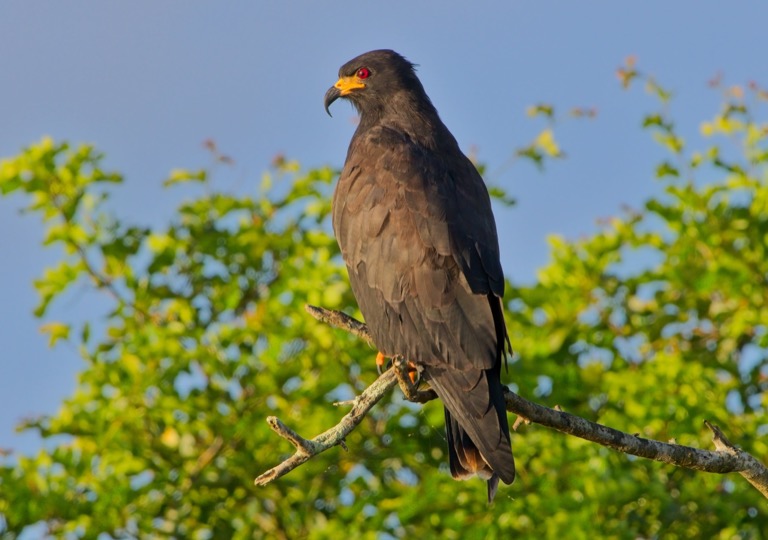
[{"x": 363, "y": 73}]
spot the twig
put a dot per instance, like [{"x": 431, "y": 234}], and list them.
[
  {"x": 306, "y": 449},
  {"x": 341, "y": 320},
  {"x": 755, "y": 472},
  {"x": 345, "y": 403},
  {"x": 726, "y": 458}
]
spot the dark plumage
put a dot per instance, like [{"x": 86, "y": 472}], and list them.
[{"x": 414, "y": 222}]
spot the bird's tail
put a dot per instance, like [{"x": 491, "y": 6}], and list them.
[
  {"x": 480, "y": 446},
  {"x": 465, "y": 459}
]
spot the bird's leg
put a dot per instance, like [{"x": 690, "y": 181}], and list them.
[
  {"x": 407, "y": 375},
  {"x": 381, "y": 362}
]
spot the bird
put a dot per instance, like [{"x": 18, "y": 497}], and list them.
[{"x": 414, "y": 223}]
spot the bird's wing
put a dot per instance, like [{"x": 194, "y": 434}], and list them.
[
  {"x": 416, "y": 230},
  {"x": 418, "y": 236},
  {"x": 417, "y": 233}
]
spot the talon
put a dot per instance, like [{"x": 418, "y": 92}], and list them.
[
  {"x": 409, "y": 384},
  {"x": 381, "y": 363},
  {"x": 413, "y": 373},
  {"x": 411, "y": 369}
]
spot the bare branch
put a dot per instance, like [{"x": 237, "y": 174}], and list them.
[
  {"x": 305, "y": 449},
  {"x": 755, "y": 472},
  {"x": 341, "y": 320},
  {"x": 726, "y": 458}
]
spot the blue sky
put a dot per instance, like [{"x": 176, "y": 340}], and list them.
[{"x": 148, "y": 82}]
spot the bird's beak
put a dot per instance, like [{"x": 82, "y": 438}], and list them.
[
  {"x": 331, "y": 95},
  {"x": 343, "y": 87}
]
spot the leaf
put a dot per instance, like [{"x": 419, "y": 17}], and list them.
[
  {"x": 501, "y": 195},
  {"x": 653, "y": 120},
  {"x": 56, "y": 280},
  {"x": 666, "y": 169},
  {"x": 546, "y": 141},
  {"x": 541, "y": 109},
  {"x": 159, "y": 242},
  {"x": 180, "y": 176},
  {"x": 55, "y": 331},
  {"x": 671, "y": 141}
]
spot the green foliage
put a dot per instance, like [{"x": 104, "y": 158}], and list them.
[{"x": 651, "y": 325}]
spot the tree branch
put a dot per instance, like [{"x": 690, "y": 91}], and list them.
[
  {"x": 305, "y": 449},
  {"x": 726, "y": 458}
]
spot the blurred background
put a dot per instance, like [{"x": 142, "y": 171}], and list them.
[{"x": 149, "y": 82}]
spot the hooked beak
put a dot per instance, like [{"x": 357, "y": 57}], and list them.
[
  {"x": 343, "y": 87},
  {"x": 331, "y": 95}
]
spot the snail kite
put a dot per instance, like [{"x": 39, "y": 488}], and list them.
[{"x": 414, "y": 222}]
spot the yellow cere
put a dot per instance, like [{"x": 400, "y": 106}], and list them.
[{"x": 348, "y": 84}]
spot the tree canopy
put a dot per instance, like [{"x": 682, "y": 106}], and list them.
[{"x": 653, "y": 324}]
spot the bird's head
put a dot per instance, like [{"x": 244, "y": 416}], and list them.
[{"x": 370, "y": 80}]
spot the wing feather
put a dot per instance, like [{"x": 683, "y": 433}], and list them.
[
  {"x": 428, "y": 242},
  {"x": 418, "y": 237}
]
